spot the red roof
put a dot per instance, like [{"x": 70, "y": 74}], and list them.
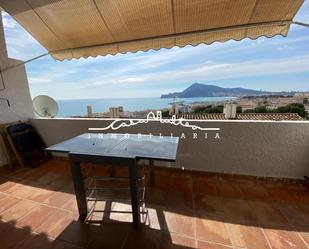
[{"x": 243, "y": 116}]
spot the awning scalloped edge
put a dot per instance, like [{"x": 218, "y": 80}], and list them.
[{"x": 54, "y": 54}]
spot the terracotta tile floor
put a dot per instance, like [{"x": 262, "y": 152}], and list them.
[{"x": 185, "y": 210}]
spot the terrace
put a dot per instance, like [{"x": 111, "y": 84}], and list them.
[
  {"x": 240, "y": 187},
  {"x": 185, "y": 210}
]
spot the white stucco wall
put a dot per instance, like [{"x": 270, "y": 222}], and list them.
[
  {"x": 276, "y": 149},
  {"x": 16, "y": 90}
]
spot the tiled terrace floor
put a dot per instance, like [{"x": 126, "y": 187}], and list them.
[{"x": 185, "y": 210}]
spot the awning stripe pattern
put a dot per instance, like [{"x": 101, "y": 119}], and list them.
[{"x": 82, "y": 28}]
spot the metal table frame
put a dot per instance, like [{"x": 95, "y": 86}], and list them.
[
  {"x": 79, "y": 186},
  {"x": 129, "y": 159}
]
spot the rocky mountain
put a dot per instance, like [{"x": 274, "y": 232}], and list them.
[{"x": 202, "y": 90}]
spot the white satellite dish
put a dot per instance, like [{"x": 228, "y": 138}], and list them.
[{"x": 45, "y": 106}]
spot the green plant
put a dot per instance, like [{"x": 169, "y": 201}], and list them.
[
  {"x": 258, "y": 109},
  {"x": 293, "y": 108},
  {"x": 209, "y": 109},
  {"x": 290, "y": 108},
  {"x": 239, "y": 109},
  {"x": 166, "y": 114}
]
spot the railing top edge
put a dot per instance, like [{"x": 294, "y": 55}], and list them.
[{"x": 191, "y": 120}]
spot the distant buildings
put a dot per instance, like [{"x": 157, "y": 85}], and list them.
[
  {"x": 89, "y": 111},
  {"x": 302, "y": 98},
  {"x": 116, "y": 112},
  {"x": 229, "y": 110},
  {"x": 252, "y": 108},
  {"x": 179, "y": 107}
]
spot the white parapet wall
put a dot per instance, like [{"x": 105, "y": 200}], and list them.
[{"x": 275, "y": 149}]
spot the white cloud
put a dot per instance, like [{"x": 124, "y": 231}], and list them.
[
  {"x": 105, "y": 85},
  {"x": 108, "y": 80},
  {"x": 20, "y": 44},
  {"x": 39, "y": 80},
  {"x": 222, "y": 71},
  {"x": 207, "y": 71},
  {"x": 8, "y": 22},
  {"x": 131, "y": 80}
]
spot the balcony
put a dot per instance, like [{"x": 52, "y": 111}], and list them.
[
  {"x": 240, "y": 187},
  {"x": 186, "y": 209},
  {"x": 254, "y": 148}
]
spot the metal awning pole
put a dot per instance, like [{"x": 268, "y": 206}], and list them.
[
  {"x": 14, "y": 66},
  {"x": 301, "y": 24},
  {"x": 24, "y": 62}
]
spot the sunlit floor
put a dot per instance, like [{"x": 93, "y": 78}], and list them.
[{"x": 184, "y": 210}]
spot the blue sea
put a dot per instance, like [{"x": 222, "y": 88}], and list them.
[{"x": 78, "y": 107}]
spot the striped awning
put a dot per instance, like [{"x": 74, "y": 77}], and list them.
[{"x": 82, "y": 28}]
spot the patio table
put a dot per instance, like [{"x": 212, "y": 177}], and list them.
[{"x": 126, "y": 149}]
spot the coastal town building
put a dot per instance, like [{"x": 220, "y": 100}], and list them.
[{"x": 116, "y": 112}]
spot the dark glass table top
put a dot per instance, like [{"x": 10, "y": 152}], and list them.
[{"x": 121, "y": 145}]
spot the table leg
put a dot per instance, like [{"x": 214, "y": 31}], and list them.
[
  {"x": 151, "y": 174},
  {"x": 79, "y": 187},
  {"x": 111, "y": 170},
  {"x": 134, "y": 194}
]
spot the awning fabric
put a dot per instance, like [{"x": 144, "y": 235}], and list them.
[{"x": 82, "y": 28}]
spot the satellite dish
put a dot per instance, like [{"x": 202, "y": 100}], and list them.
[{"x": 45, "y": 106}]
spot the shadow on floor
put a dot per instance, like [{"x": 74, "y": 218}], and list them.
[{"x": 185, "y": 210}]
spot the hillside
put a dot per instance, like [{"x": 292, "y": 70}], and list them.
[{"x": 202, "y": 90}]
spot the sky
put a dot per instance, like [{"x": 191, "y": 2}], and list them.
[{"x": 276, "y": 64}]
